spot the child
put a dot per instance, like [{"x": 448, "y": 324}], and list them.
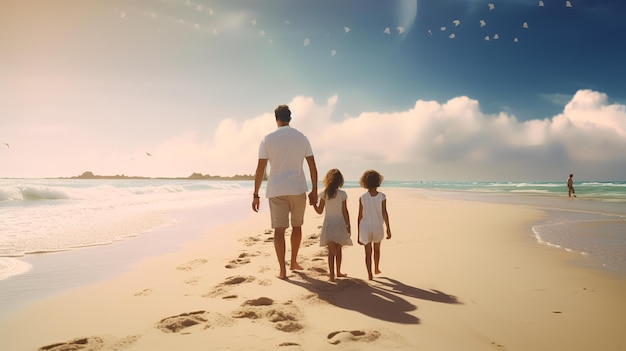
[
  {"x": 336, "y": 227},
  {"x": 372, "y": 214}
]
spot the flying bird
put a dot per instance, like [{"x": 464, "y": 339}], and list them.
[
  {"x": 387, "y": 31},
  {"x": 496, "y": 37},
  {"x": 568, "y": 4},
  {"x": 430, "y": 32},
  {"x": 7, "y": 144},
  {"x": 525, "y": 25},
  {"x": 541, "y": 4},
  {"x": 456, "y": 23},
  {"x": 482, "y": 23},
  {"x": 443, "y": 29},
  {"x": 148, "y": 154},
  {"x": 491, "y": 7},
  {"x": 452, "y": 36},
  {"x": 400, "y": 30},
  {"x": 516, "y": 40}
]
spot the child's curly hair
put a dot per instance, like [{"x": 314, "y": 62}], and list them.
[
  {"x": 371, "y": 179},
  {"x": 332, "y": 182}
]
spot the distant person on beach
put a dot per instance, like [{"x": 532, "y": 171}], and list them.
[
  {"x": 570, "y": 186},
  {"x": 285, "y": 149},
  {"x": 336, "y": 227},
  {"x": 372, "y": 215}
]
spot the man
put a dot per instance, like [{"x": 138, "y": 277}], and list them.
[
  {"x": 285, "y": 149},
  {"x": 570, "y": 186}
]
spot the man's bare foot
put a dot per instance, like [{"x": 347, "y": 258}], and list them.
[
  {"x": 371, "y": 277},
  {"x": 295, "y": 267},
  {"x": 377, "y": 271},
  {"x": 282, "y": 275},
  {"x": 342, "y": 275},
  {"x": 332, "y": 278}
]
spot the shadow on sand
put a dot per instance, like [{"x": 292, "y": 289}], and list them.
[
  {"x": 384, "y": 302},
  {"x": 396, "y": 287}
]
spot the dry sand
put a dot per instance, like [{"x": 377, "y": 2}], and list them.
[{"x": 455, "y": 276}]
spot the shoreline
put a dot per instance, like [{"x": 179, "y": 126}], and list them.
[
  {"x": 470, "y": 270},
  {"x": 53, "y": 273}
]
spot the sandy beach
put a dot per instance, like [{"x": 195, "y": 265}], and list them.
[{"x": 456, "y": 275}]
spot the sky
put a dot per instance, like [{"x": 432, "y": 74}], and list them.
[{"x": 459, "y": 90}]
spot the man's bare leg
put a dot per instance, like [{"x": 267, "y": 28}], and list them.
[
  {"x": 296, "y": 238},
  {"x": 279, "y": 246}
]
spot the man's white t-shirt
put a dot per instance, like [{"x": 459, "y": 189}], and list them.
[{"x": 285, "y": 149}]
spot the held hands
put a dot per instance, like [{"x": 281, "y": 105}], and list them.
[{"x": 313, "y": 198}]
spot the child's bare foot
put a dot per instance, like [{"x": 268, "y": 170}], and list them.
[
  {"x": 282, "y": 275},
  {"x": 377, "y": 271},
  {"x": 294, "y": 266},
  {"x": 371, "y": 277},
  {"x": 342, "y": 275},
  {"x": 332, "y": 278}
]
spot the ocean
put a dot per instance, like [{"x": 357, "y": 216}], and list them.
[{"x": 42, "y": 219}]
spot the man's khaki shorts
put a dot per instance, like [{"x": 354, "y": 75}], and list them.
[{"x": 282, "y": 206}]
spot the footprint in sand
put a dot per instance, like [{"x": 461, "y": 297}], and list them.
[
  {"x": 284, "y": 316},
  {"x": 187, "y": 323},
  {"x": 144, "y": 292},
  {"x": 193, "y": 264},
  {"x": 242, "y": 259},
  {"x": 311, "y": 240},
  {"x": 252, "y": 240},
  {"x": 193, "y": 280},
  {"x": 343, "y": 336},
  {"x": 225, "y": 287},
  {"x": 92, "y": 343}
]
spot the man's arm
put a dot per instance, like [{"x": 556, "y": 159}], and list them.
[
  {"x": 310, "y": 160},
  {"x": 258, "y": 179}
]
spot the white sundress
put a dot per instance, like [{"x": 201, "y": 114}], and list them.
[
  {"x": 334, "y": 227},
  {"x": 371, "y": 228}
]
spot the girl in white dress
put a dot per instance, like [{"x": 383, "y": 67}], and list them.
[
  {"x": 372, "y": 215},
  {"x": 336, "y": 227}
]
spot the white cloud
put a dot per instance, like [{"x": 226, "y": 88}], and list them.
[
  {"x": 435, "y": 138},
  {"x": 453, "y": 140}
]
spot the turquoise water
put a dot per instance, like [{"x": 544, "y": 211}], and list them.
[{"x": 51, "y": 215}]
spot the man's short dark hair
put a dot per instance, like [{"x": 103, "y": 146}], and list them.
[{"x": 283, "y": 113}]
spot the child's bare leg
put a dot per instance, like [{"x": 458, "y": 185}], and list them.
[
  {"x": 338, "y": 259},
  {"x": 331, "y": 260},
  {"x": 368, "y": 260},
  {"x": 377, "y": 258}
]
